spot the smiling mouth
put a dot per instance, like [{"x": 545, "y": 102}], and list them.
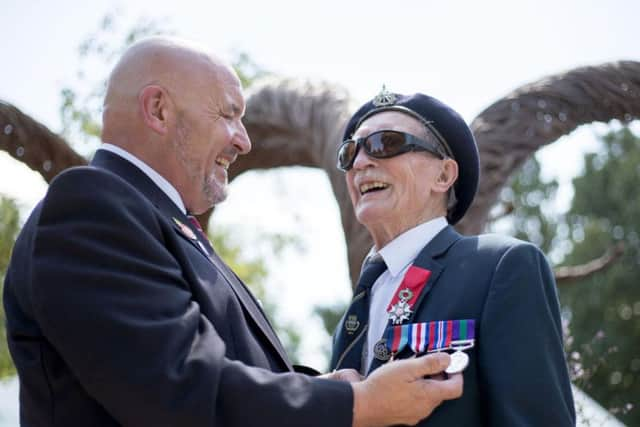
[
  {"x": 223, "y": 162},
  {"x": 371, "y": 187}
]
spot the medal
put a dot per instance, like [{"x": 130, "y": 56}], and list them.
[
  {"x": 459, "y": 361},
  {"x": 381, "y": 351},
  {"x": 401, "y": 306},
  {"x": 401, "y": 310},
  {"x": 430, "y": 337},
  {"x": 465, "y": 339}
]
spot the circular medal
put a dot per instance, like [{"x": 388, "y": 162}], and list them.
[
  {"x": 459, "y": 362},
  {"x": 380, "y": 351}
]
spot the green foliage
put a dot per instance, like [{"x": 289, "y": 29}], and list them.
[
  {"x": 9, "y": 224},
  {"x": 606, "y": 306},
  {"x": 248, "y": 71},
  {"x": 81, "y": 102},
  {"x": 330, "y": 316},
  {"x": 528, "y": 196},
  {"x": 602, "y": 312}
]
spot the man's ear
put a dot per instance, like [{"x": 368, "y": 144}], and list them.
[
  {"x": 448, "y": 175},
  {"x": 154, "y": 106}
]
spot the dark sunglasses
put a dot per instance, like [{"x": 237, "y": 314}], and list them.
[{"x": 382, "y": 145}]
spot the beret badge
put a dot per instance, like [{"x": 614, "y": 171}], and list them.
[{"x": 384, "y": 98}]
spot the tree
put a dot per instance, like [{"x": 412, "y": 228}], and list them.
[
  {"x": 294, "y": 123},
  {"x": 9, "y": 226},
  {"x": 603, "y": 330},
  {"x": 604, "y": 308}
]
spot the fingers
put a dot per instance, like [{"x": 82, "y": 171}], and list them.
[
  {"x": 397, "y": 393},
  {"x": 448, "y": 389},
  {"x": 429, "y": 364},
  {"x": 348, "y": 375}
]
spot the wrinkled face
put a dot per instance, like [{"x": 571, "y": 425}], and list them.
[
  {"x": 394, "y": 192},
  {"x": 209, "y": 136}
]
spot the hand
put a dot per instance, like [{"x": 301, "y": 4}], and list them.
[
  {"x": 397, "y": 393},
  {"x": 348, "y": 375}
]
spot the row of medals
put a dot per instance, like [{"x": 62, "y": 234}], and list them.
[{"x": 400, "y": 312}]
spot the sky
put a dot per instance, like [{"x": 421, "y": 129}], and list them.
[{"x": 466, "y": 53}]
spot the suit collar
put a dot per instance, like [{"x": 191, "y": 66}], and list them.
[
  {"x": 131, "y": 173},
  {"x": 157, "y": 179},
  {"x": 139, "y": 180},
  {"x": 439, "y": 245},
  {"x": 402, "y": 250}
]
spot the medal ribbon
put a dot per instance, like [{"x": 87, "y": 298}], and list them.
[
  {"x": 415, "y": 279},
  {"x": 430, "y": 336}
]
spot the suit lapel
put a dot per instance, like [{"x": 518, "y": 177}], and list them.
[
  {"x": 138, "y": 179},
  {"x": 184, "y": 227},
  {"x": 428, "y": 259}
]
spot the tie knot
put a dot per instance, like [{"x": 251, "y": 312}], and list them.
[{"x": 373, "y": 267}]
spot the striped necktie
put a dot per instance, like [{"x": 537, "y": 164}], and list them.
[
  {"x": 350, "y": 335},
  {"x": 202, "y": 237}
]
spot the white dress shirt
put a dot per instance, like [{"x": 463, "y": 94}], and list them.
[
  {"x": 157, "y": 179},
  {"x": 398, "y": 254}
]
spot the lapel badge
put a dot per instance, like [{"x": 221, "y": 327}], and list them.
[
  {"x": 401, "y": 310},
  {"x": 184, "y": 229},
  {"x": 381, "y": 351},
  {"x": 352, "y": 324},
  {"x": 384, "y": 98}
]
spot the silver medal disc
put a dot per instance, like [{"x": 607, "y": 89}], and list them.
[{"x": 459, "y": 361}]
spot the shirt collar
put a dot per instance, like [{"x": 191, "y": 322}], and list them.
[
  {"x": 157, "y": 179},
  {"x": 402, "y": 250}
]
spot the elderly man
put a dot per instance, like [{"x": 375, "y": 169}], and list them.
[
  {"x": 411, "y": 167},
  {"x": 119, "y": 312}
]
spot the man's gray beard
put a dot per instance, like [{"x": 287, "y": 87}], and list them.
[{"x": 212, "y": 191}]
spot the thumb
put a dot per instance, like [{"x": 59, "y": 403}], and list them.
[{"x": 450, "y": 388}]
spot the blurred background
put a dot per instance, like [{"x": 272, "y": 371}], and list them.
[{"x": 573, "y": 190}]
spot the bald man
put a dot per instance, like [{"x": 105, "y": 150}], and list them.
[{"x": 119, "y": 312}]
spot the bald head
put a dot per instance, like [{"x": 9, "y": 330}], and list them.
[
  {"x": 177, "y": 108},
  {"x": 175, "y": 65}
]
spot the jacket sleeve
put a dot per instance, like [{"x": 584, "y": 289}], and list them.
[
  {"x": 521, "y": 357},
  {"x": 113, "y": 302}
]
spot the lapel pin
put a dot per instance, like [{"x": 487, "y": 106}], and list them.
[{"x": 185, "y": 230}]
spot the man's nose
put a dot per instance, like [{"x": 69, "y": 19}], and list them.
[
  {"x": 362, "y": 160},
  {"x": 241, "y": 140}
]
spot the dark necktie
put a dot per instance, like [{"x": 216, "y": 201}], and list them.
[{"x": 352, "y": 329}]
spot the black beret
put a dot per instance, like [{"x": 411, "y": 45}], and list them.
[{"x": 446, "y": 125}]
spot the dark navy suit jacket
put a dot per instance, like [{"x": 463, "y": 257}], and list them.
[
  {"x": 517, "y": 375},
  {"x": 115, "y": 316}
]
